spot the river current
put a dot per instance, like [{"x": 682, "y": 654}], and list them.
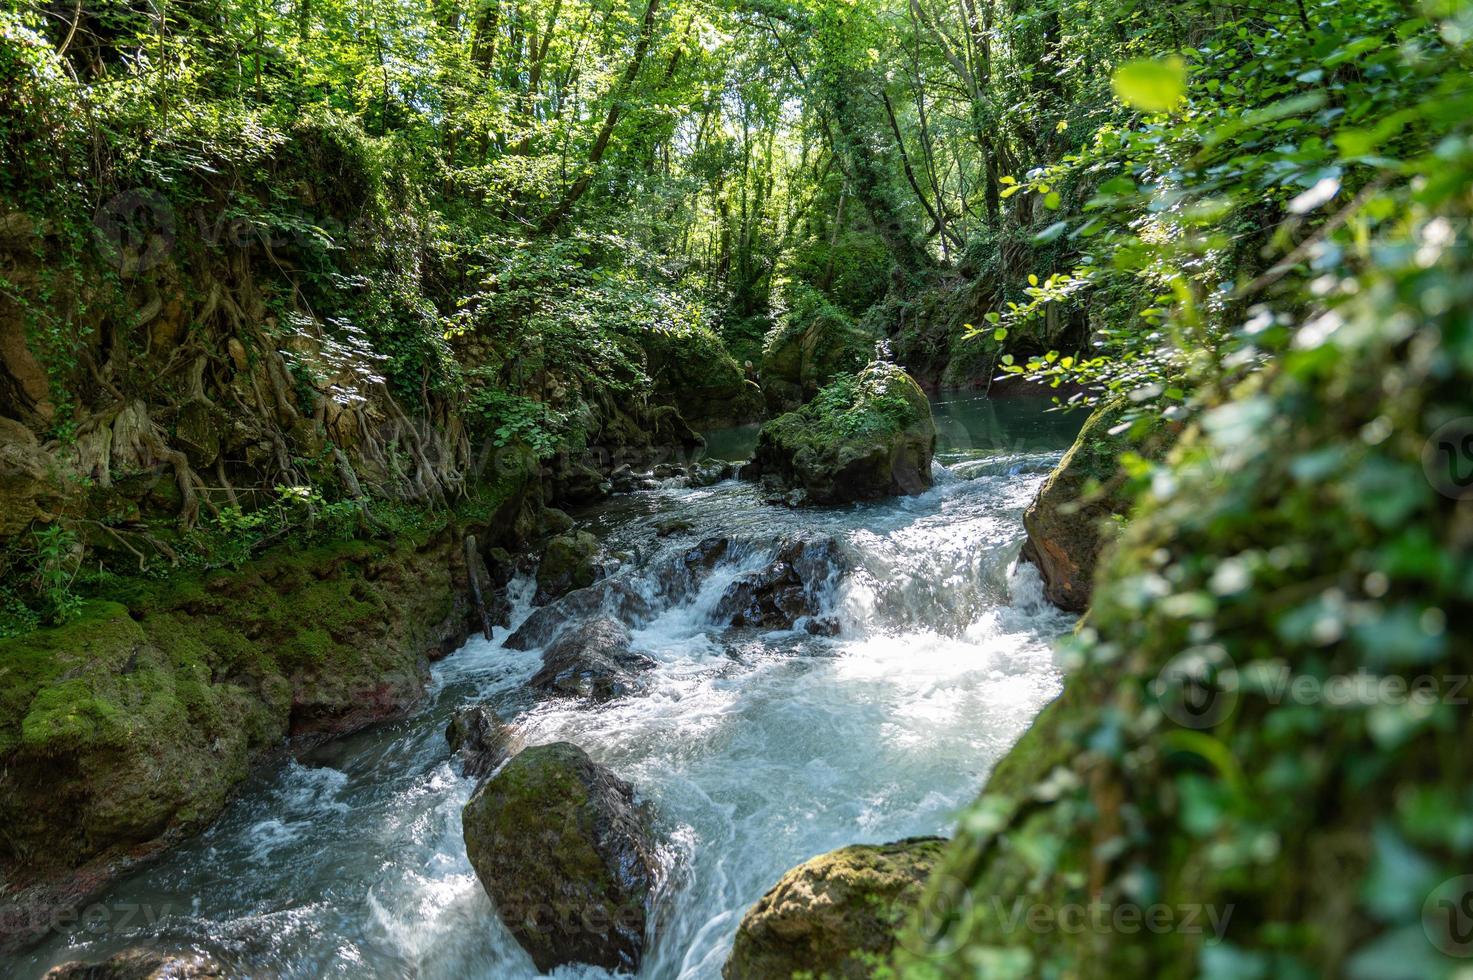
[{"x": 756, "y": 750}]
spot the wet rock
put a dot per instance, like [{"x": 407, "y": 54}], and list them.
[
  {"x": 623, "y": 479},
  {"x": 567, "y": 564},
  {"x": 479, "y": 738},
  {"x": 711, "y": 472},
  {"x": 501, "y": 565},
  {"x": 707, "y": 553},
  {"x": 1075, "y": 514},
  {"x": 615, "y": 597},
  {"x": 666, "y": 471},
  {"x": 776, "y": 597},
  {"x": 591, "y": 660},
  {"x": 668, "y": 526},
  {"x": 578, "y": 483},
  {"x": 822, "y": 626},
  {"x": 144, "y": 964},
  {"x": 556, "y": 521},
  {"x": 683, "y": 574},
  {"x": 566, "y": 856},
  {"x": 860, "y": 438},
  {"x": 834, "y": 915}
]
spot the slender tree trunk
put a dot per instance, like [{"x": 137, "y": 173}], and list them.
[{"x": 555, "y": 218}]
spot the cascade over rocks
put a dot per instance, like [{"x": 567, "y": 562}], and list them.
[
  {"x": 566, "y": 856},
  {"x": 1076, "y": 513},
  {"x": 833, "y": 915},
  {"x": 788, "y": 589},
  {"x": 861, "y": 438},
  {"x": 479, "y": 738},
  {"x": 612, "y": 596},
  {"x": 591, "y": 660}
]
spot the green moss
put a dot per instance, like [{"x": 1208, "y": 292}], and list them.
[
  {"x": 881, "y": 400},
  {"x": 834, "y": 916},
  {"x": 35, "y": 692},
  {"x": 1293, "y": 536},
  {"x": 860, "y": 438},
  {"x": 136, "y": 719}
]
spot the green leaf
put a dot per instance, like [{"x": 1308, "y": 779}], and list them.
[{"x": 1149, "y": 85}]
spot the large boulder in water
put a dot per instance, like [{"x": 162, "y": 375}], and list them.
[
  {"x": 613, "y": 596},
  {"x": 864, "y": 436},
  {"x": 479, "y": 738},
  {"x": 567, "y": 564},
  {"x": 566, "y": 856},
  {"x": 835, "y": 915},
  {"x": 591, "y": 660},
  {"x": 144, "y": 964},
  {"x": 1077, "y": 511}
]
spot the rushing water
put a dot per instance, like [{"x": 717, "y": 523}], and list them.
[{"x": 757, "y": 750}]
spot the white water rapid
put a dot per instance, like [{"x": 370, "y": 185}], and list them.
[{"x": 756, "y": 750}]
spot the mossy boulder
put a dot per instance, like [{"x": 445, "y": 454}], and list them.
[
  {"x": 835, "y": 916},
  {"x": 145, "y": 964},
  {"x": 863, "y": 437},
  {"x": 566, "y": 855},
  {"x": 567, "y": 564},
  {"x": 1081, "y": 506}
]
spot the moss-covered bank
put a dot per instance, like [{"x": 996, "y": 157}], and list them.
[
  {"x": 128, "y": 727},
  {"x": 1262, "y": 744}
]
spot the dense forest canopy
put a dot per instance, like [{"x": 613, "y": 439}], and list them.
[{"x": 476, "y": 206}]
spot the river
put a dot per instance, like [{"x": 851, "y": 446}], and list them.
[{"x": 756, "y": 750}]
